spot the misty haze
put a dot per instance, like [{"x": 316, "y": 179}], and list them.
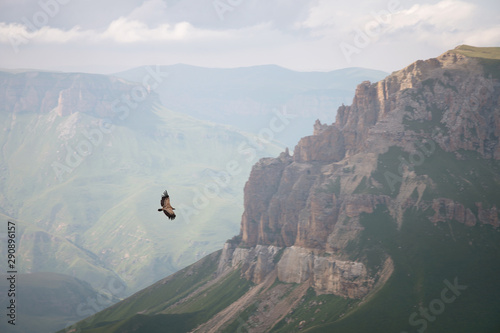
[{"x": 241, "y": 166}]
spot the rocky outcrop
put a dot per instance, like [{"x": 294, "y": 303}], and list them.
[
  {"x": 263, "y": 225},
  {"x": 256, "y": 263},
  {"x": 325, "y": 274},
  {"x": 298, "y": 200},
  {"x": 327, "y": 147},
  {"x": 309, "y": 204},
  {"x": 451, "y": 91},
  {"x": 298, "y": 265}
]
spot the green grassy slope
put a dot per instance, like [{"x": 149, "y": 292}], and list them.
[
  {"x": 145, "y": 304},
  {"x": 478, "y": 52},
  {"x": 487, "y": 56},
  {"x": 151, "y": 310}
]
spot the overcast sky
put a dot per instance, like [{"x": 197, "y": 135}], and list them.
[{"x": 106, "y": 36}]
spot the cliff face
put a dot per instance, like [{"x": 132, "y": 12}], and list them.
[
  {"x": 309, "y": 204},
  {"x": 302, "y": 197}
]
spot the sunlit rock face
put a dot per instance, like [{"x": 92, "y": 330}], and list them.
[{"x": 309, "y": 204}]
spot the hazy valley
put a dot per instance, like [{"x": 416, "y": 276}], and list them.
[{"x": 85, "y": 158}]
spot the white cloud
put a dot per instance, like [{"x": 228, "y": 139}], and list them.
[
  {"x": 124, "y": 30},
  {"x": 127, "y": 31},
  {"x": 326, "y": 19},
  {"x": 8, "y": 31},
  {"x": 299, "y": 34},
  {"x": 20, "y": 34},
  {"x": 484, "y": 37},
  {"x": 446, "y": 23},
  {"x": 446, "y": 14}
]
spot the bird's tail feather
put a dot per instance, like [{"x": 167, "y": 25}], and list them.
[{"x": 160, "y": 209}]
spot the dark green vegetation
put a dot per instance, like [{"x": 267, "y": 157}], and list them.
[
  {"x": 468, "y": 180},
  {"x": 240, "y": 324},
  {"x": 425, "y": 257}
]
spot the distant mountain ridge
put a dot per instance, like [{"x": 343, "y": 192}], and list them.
[
  {"x": 246, "y": 97},
  {"x": 385, "y": 221}
]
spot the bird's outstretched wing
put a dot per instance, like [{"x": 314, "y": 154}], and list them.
[{"x": 166, "y": 207}]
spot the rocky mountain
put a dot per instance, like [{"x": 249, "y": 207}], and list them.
[
  {"x": 384, "y": 221},
  {"x": 445, "y": 104}
]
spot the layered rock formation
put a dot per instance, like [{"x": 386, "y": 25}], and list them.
[
  {"x": 299, "y": 265},
  {"x": 307, "y": 207},
  {"x": 326, "y": 274}
]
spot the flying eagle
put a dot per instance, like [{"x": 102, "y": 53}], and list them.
[{"x": 166, "y": 208}]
